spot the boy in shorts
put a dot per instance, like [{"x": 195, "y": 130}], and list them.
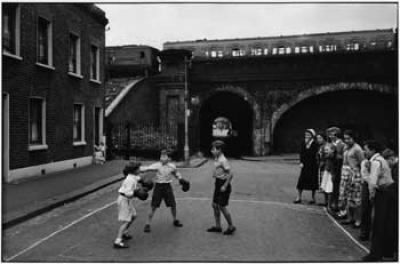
[
  {"x": 126, "y": 209},
  {"x": 166, "y": 171},
  {"x": 223, "y": 177}
]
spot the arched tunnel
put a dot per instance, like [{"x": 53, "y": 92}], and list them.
[
  {"x": 369, "y": 114},
  {"x": 240, "y": 114}
]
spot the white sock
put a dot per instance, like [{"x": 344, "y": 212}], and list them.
[{"x": 118, "y": 240}]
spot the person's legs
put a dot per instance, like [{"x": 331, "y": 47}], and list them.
[
  {"x": 149, "y": 219},
  {"x": 366, "y": 212},
  {"x": 227, "y": 216},
  {"x": 299, "y": 196},
  {"x": 313, "y": 196},
  {"x": 217, "y": 215},
  {"x": 357, "y": 216}
]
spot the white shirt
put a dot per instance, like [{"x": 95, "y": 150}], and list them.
[
  {"x": 222, "y": 168},
  {"x": 129, "y": 185},
  {"x": 165, "y": 173},
  {"x": 380, "y": 173}
]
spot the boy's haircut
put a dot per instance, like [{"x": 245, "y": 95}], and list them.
[
  {"x": 349, "y": 132},
  {"x": 165, "y": 152},
  {"x": 218, "y": 144},
  {"x": 373, "y": 145},
  {"x": 131, "y": 167},
  {"x": 387, "y": 153}
]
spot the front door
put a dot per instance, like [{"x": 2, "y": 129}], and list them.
[{"x": 5, "y": 138}]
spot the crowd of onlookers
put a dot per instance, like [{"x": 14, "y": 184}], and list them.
[{"x": 359, "y": 183}]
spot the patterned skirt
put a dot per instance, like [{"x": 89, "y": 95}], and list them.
[{"x": 350, "y": 187}]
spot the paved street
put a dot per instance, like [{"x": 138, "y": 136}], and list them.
[{"x": 269, "y": 226}]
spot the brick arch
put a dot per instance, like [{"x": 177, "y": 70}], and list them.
[
  {"x": 245, "y": 95},
  {"x": 382, "y": 88}
]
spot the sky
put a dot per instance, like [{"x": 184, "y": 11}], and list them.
[{"x": 156, "y": 23}]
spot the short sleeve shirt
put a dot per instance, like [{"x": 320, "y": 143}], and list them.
[
  {"x": 221, "y": 168},
  {"x": 129, "y": 184},
  {"x": 165, "y": 173}
]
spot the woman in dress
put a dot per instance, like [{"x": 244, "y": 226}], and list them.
[
  {"x": 308, "y": 179},
  {"x": 350, "y": 181},
  {"x": 327, "y": 170}
]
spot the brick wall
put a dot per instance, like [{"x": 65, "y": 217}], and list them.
[{"x": 23, "y": 79}]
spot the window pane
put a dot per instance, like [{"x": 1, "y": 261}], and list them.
[
  {"x": 77, "y": 128},
  {"x": 43, "y": 39},
  {"x": 73, "y": 54},
  {"x": 35, "y": 121},
  {"x": 93, "y": 62},
  {"x": 9, "y": 23}
]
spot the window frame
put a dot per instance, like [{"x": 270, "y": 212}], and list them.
[
  {"x": 78, "y": 60},
  {"x": 42, "y": 145},
  {"x": 81, "y": 141},
  {"x": 97, "y": 80},
  {"x": 17, "y": 40},
  {"x": 49, "y": 44}
]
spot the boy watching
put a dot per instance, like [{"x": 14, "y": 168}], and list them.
[
  {"x": 126, "y": 209},
  {"x": 163, "y": 189},
  {"x": 223, "y": 177}
]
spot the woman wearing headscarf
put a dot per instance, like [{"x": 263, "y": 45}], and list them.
[{"x": 308, "y": 179}]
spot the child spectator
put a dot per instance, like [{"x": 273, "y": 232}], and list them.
[{"x": 327, "y": 168}]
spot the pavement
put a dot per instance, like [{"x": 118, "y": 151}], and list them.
[
  {"x": 270, "y": 228},
  {"x": 28, "y": 198}
]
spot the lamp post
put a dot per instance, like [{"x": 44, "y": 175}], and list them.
[{"x": 186, "y": 150}]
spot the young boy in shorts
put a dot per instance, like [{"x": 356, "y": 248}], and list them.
[
  {"x": 223, "y": 177},
  {"x": 126, "y": 209},
  {"x": 166, "y": 171}
]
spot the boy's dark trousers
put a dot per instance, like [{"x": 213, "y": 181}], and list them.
[
  {"x": 336, "y": 182},
  {"x": 366, "y": 211},
  {"x": 383, "y": 241}
]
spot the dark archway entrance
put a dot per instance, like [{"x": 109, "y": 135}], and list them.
[
  {"x": 370, "y": 114},
  {"x": 234, "y": 108}
]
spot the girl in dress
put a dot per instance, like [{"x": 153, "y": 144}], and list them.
[{"x": 327, "y": 169}]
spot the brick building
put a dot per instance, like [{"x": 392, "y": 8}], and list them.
[{"x": 53, "y": 86}]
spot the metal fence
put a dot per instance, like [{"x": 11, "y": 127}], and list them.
[{"x": 144, "y": 139}]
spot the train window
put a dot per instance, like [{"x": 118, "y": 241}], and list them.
[
  {"x": 265, "y": 51},
  {"x": 321, "y": 48},
  {"x": 389, "y": 44},
  {"x": 373, "y": 44},
  {"x": 242, "y": 52},
  {"x": 207, "y": 53},
  {"x": 297, "y": 50},
  {"x": 220, "y": 53},
  {"x": 235, "y": 52},
  {"x": 304, "y": 49},
  {"x": 213, "y": 54},
  {"x": 356, "y": 46},
  {"x": 311, "y": 49},
  {"x": 288, "y": 50},
  {"x": 256, "y": 52},
  {"x": 352, "y": 46},
  {"x": 274, "y": 51},
  {"x": 281, "y": 50}
]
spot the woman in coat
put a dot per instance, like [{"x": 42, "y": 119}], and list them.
[{"x": 308, "y": 179}]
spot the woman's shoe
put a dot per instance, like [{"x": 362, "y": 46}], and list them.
[
  {"x": 297, "y": 201},
  {"x": 120, "y": 245},
  {"x": 347, "y": 222},
  {"x": 311, "y": 202}
]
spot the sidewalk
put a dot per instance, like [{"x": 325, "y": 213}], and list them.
[
  {"x": 26, "y": 199},
  {"x": 283, "y": 157}
]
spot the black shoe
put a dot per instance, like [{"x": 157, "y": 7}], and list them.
[
  {"x": 297, "y": 201},
  {"x": 363, "y": 237},
  {"x": 215, "y": 229},
  {"x": 370, "y": 258},
  {"x": 311, "y": 202},
  {"x": 147, "y": 229},
  {"x": 177, "y": 223},
  {"x": 347, "y": 222},
  {"x": 120, "y": 245},
  {"x": 126, "y": 236},
  {"x": 322, "y": 204},
  {"x": 229, "y": 231}
]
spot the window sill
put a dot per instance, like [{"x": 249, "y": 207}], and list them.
[
  {"x": 75, "y": 75},
  {"x": 14, "y": 56},
  {"x": 37, "y": 147},
  {"x": 95, "y": 81},
  {"x": 79, "y": 143},
  {"x": 45, "y": 66}
]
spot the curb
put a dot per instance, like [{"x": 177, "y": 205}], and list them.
[
  {"x": 41, "y": 207},
  {"x": 270, "y": 159}
]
